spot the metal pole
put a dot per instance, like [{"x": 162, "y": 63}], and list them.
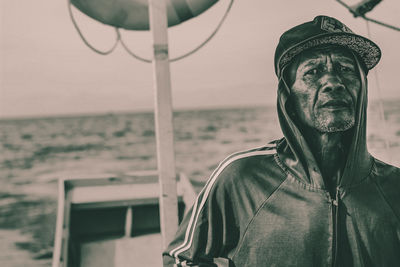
[{"x": 163, "y": 120}]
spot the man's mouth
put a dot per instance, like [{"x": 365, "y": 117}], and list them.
[{"x": 336, "y": 104}]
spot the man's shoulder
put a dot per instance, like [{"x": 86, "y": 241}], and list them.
[
  {"x": 250, "y": 174},
  {"x": 248, "y": 158},
  {"x": 386, "y": 176},
  {"x": 386, "y": 171},
  {"x": 242, "y": 164}
]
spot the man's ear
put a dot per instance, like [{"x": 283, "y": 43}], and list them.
[
  {"x": 360, "y": 63},
  {"x": 289, "y": 72},
  {"x": 290, "y": 107}
]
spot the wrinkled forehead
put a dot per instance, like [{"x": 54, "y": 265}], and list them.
[{"x": 319, "y": 54}]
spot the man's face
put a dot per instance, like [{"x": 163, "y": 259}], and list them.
[{"x": 325, "y": 86}]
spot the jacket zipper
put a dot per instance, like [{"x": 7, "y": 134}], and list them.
[{"x": 335, "y": 216}]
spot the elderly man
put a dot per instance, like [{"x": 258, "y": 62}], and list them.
[{"x": 315, "y": 197}]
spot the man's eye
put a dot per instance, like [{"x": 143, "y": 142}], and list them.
[
  {"x": 346, "y": 69},
  {"x": 312, "y": 72}
]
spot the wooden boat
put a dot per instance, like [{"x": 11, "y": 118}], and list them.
[{"x": 112, "y": 221}]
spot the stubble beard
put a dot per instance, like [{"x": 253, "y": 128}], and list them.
[{"x": 327, "y": 124}]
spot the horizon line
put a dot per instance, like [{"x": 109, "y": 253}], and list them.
[{"x": 151, "y": 110}]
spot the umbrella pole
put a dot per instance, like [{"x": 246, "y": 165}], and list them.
[{"x": 163, "y": 121}]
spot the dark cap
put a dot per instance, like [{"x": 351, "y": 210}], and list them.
[{"x": 323, "y": 31}]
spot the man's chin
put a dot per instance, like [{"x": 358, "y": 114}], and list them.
[{"x": 326, "y": 126}]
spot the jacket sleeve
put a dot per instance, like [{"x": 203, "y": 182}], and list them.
[{"x": 208, "y": 233}]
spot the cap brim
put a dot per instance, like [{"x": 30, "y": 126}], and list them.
[{"x": 367, "y": 50}]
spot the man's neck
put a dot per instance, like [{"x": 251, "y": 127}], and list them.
[{"x": 330, "y": 151}]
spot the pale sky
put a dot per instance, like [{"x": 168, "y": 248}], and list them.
[{"x": 47, "y": 70}]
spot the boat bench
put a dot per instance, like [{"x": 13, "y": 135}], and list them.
[{"x": 112, "y": 221}]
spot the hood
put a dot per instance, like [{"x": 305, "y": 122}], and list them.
[{"x": 296, "y": 154}]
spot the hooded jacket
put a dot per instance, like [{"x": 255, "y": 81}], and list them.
[{"x": 269, "y": 206}]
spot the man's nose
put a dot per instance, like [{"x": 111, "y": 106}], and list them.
[{"x": 332, "y": 83}]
